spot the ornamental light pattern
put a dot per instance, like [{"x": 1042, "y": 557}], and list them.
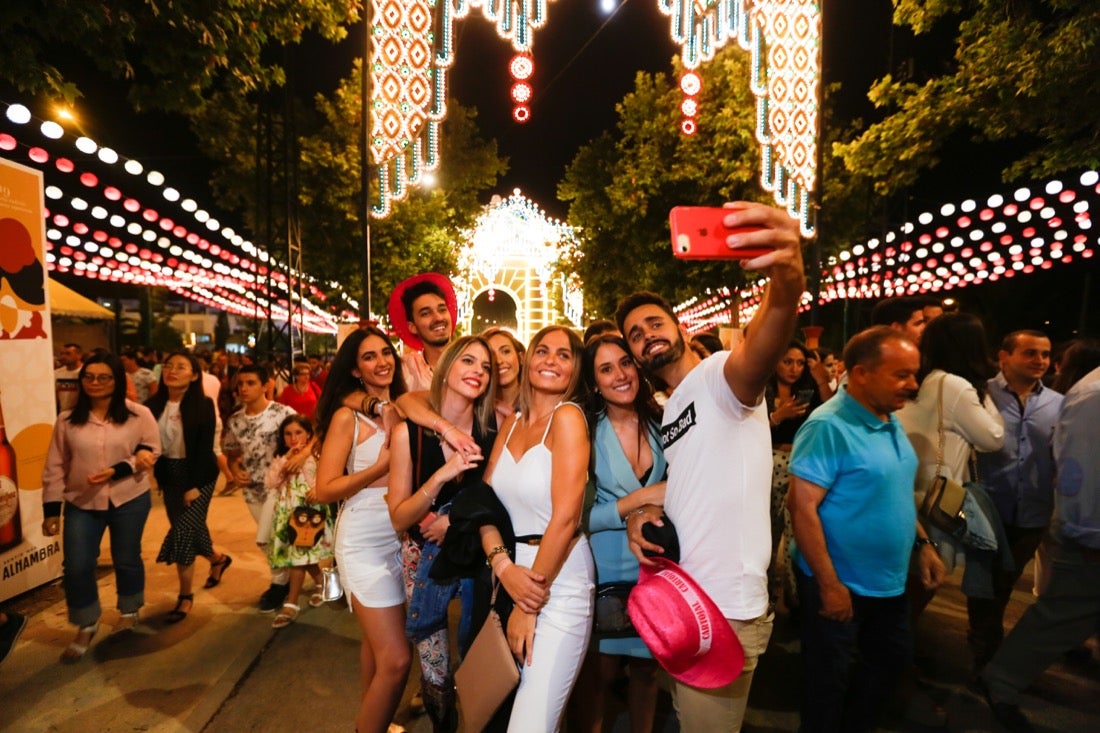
[
  {"x": 784, "y": 37},
  {"x": 409, "y": 86}
]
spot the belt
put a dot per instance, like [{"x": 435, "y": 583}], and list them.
[{"x": 534, "y": 540}]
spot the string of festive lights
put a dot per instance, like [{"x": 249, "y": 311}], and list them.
[
  {"x": 96, "y": 230},
  {"x": 407, "y": 140},
  {"x": 1013, "y": 233},
  {"x": 784, "y": 37}
]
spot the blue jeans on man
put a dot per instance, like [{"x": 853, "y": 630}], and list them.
[
  {"x": 83, "y": 533},
  {"x": 852, "y": 667}
]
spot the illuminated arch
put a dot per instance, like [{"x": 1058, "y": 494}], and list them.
[{"x": 514, "y": 247}]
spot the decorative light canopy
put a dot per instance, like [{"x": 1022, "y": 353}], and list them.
[
  {"x": 969, "y": 243},
  {"x": 98, "y": 227},
  {"x": 784, "y": 37}
]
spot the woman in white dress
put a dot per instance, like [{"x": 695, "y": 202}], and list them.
[
  {"x": 354, "y": 467},
  {"x": 538, "y": 469}
]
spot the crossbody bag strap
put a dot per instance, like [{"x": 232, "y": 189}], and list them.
[{"x": 942, "y": 439}]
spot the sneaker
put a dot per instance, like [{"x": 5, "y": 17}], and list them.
[
  {"x": 9, "y": 633},
  {"x": 273, "y": 598},
  {"x": 1007, "y": 714}
]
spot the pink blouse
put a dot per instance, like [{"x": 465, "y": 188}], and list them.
[{"x": 78, "y": 451}]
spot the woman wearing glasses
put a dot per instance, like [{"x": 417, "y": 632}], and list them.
[{"x": 98, "y": 466}]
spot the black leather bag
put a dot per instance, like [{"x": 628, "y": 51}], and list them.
[{"x": 611, "y": 619}]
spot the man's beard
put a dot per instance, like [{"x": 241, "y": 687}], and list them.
[
  {"x": 432, "y": 340},
  {"x": 657, "y": 362}
]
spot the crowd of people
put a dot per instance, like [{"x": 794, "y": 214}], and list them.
[{"x": 763, "y": 476}]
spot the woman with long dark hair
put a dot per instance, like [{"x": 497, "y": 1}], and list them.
[
  {"x": 953, "y": 399},
  {"x": 426, "y": 476},
  {"x": 186, "y": 474},
  {"x": 629, "y": 469},
  {"x": 538, "y": 470},
  {"x": 353, "y": 466},
  {"x": 791, "y": 395},
  {"x": 100, "y": 457}
]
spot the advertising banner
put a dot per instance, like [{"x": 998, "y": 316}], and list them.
[{"x": 27, "y": 406}]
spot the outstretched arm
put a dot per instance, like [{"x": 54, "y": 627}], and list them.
[{"x": 753, "y": 360}]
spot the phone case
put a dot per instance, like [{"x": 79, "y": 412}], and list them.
[{"x": 699, "y": 234}]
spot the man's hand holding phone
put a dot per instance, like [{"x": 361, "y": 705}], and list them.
[{"x": 760, "y": 236}]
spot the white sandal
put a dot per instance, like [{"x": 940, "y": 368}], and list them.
[
  {"x": 317, "y": 599},
  {"x": 74, "y": 652},
  {"x": 285, "y": 619}
]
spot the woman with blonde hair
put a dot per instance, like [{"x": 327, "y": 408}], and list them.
[
  {"x": 538, "y": 469},
  {"x": 426, "y": 476}
]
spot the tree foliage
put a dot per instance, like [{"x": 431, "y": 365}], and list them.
[
  {"x": 417, "y": 236},
  {"x": 1025, "y": 72},
  {"x": 173, "y": 53}
]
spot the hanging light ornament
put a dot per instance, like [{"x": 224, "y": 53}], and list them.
[
  {"x": 398, "y": 34},
  {"x": 784, "y": 38},
  {"x": 960, "y": 245},
  {"x": 521, "y": 68}
]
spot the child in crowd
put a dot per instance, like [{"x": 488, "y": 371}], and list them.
[{"x": 302, "y": 531}]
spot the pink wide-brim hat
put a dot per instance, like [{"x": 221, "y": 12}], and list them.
[
  {"x": 396, "y": 309},
  {"x": 683, "y": 627}
]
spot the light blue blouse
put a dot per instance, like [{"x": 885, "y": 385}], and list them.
[{"x": 615, "y": 479}]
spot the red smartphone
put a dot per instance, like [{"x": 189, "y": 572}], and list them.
[{"x": 699, "y": 234}]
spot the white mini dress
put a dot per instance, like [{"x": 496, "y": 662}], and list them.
[{"x": 368, "y": 554}]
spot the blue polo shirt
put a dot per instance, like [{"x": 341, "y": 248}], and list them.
[{"x": 867, "y": 467}]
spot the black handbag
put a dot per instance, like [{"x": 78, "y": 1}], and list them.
[{"x": 611, "y": 619}]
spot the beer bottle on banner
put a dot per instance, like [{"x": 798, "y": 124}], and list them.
[{"x": 11, "y": 525}]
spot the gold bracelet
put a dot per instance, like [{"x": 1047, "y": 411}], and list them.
[{"x": 494, "y": 552}]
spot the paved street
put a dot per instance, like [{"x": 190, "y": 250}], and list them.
[{"x": 224, "y": 670}]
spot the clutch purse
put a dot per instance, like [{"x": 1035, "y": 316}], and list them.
[
  {"x": 331, "y": 589},
  {"x": 487, "y": 675}
]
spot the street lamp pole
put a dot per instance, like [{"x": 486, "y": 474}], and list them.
[{"x": 364, "y": 165}]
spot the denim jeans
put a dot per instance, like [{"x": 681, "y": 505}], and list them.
[
  {"x": 850, "y": 667},
  {"x": 83, "y": 533}
]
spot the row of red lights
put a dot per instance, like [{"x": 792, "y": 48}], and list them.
[
  {"x": 131, "y": 205},
  {"x": 948, "y": 251}
]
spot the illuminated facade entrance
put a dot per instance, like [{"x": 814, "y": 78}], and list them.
[{"x": 508, "y": 272}]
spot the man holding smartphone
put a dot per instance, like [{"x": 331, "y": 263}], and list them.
[{"x": 718, "y": 446}]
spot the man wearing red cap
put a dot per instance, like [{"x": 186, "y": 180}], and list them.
[
  {"x": 718, "y": 445},
  {"x": 423, "y": 310},
  {"x": 851, "y": 502}
]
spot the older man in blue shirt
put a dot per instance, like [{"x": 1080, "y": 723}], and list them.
[
  {"x": 851, "y": 503},
  {"x": 1067, "y": 612},
  {"x": 1019, "y": 477}
]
